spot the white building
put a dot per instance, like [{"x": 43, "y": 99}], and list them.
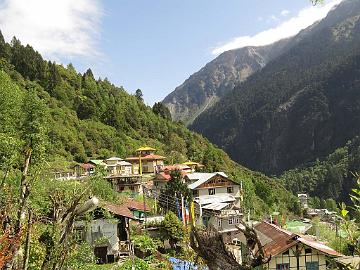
[
  {"x": 118, "y": 166},
  {"x": 207, "y": 186},
  {"x": 108, "y": 236}
]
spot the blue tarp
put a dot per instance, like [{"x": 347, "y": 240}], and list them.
[{"x": 178, "y": 264}]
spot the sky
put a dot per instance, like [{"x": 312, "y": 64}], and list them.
[{"x": 151, "y": 45}]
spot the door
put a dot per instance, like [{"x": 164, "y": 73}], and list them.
[{"x": 100, "y": 254}]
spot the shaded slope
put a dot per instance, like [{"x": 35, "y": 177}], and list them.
[{"x": 302, "y": 105}]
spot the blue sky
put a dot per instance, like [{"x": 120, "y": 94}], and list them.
[{"x": 151, "y": 45}]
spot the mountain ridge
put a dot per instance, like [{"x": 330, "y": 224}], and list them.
[
  {"x": 291, "y": 111},
  {"x": 203, "y": 88}
]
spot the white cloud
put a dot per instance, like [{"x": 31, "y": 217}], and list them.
[
  {"x": 285, "y": 12},
  {"x": 291, "y": 27},
  {"x": 56, "y": 28},
  {"x": 274, "y": 18}
]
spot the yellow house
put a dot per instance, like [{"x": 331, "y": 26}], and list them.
[
  {"x": 291, "y": 251},
  {"x": 146, "y": 161}
]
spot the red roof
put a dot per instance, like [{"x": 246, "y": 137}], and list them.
[
  {"x": 174, "y": 167},
  {"x": 147, "y": 157},
  {"x": 120, "y": 210},
  {"x": 277, "y": 240},
  {"x": 86, "y": 166},
  {"x": 135, "y": 205},
  {"x": 163, "y": 176}
]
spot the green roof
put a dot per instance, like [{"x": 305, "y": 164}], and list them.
[
  {"x": 97, "y": 161},
  {"x": 297, "y": 226}
]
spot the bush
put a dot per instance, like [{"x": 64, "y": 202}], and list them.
[
  {"x": 145, "y": 244},
  {"x": 139, "y": 265}
]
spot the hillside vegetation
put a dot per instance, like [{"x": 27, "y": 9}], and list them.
[
  {"x": 331, "y": 178},
  {"x": 91, "y": 118}
]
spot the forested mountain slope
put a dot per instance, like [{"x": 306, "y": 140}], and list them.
[
  {"x": 202, "y": 89},
  {"x": 91, "y": 118},
  {"x": 331, "y": 178},
  {"x": 300, "y": 106}
]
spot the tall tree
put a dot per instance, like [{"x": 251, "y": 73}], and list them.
[
  {"x": 139, "y": 94},
  {"x": 160, "y": 109}
]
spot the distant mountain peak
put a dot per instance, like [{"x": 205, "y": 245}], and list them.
[{"x": 202, "y": 89}]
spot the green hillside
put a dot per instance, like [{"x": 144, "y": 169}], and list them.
[
  {"x": 91, "y": 118},
  {"x": 331, "y": 178}
]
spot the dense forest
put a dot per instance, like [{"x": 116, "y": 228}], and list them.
[
  {"x": 91, "y": 118},
  {"x": 301, "y": 106},
  {"x": 332, "y": 178}
]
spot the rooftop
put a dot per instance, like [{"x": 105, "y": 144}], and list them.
[
  {"x": 147, "y": 157},
  {"x": 211, "y": 199},
  {"x": 201, "y": 178},
  {"x": 277, "y": 240},
  {"x": 176, "y": 167},
  {"x": 86, "y": 166},
  {"x": 119, "y": 210},
  {"x": 192, "y": 163},
  {"x": 97, "y": 162},
  {"x": 114, "y": 159}
]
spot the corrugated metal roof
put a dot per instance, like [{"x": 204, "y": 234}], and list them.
[
  {"x": 113, "y": 158},
  {"x": 176, "y": 167},
  {"x": 209, "y": 199},
  {"x": 97, "y": 162},
  {"x": 216, "y": 206},
  {"x": 124, "y": 163},
  {"x": 120, "y": 210},
  {"x": 277, "y": 240},
  {"x": 135, "y": 205},
  {"x": 201, "y": 178},
  {"x": 86, "y": 166}
]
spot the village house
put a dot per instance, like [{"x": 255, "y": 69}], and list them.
[
  {"x": 84, "y": 169},
  {"x": 108, "y": 235},
  {"x": 289, "y": 250},
  {"x": 138, "y": 209},
  {"x": 125, "y": 183},
  {"x": 120, "y": 175},
  {"x": 63, "y": 175},
  {"x": 118, "y": 166},
  {"x": 146, "y": 161},
  {"x": 160, "y": 180},
  {"x": 213, "y": 187},
  {"x": 224, "y": 217}
]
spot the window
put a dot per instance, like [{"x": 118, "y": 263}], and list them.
[
  {"x": 219, "y": 222},
  {"x": 231, "y": 221},
  {"x": 282, "y": 266},
  {"x": 79, "y": 234},
  {"x": 312, "y": 266},
  {"x": 237, "y": 220},
  {"x": 196, "y": 193},
  {"x": 211, "y": 191},
  {"x": 230, "y": 189}
]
